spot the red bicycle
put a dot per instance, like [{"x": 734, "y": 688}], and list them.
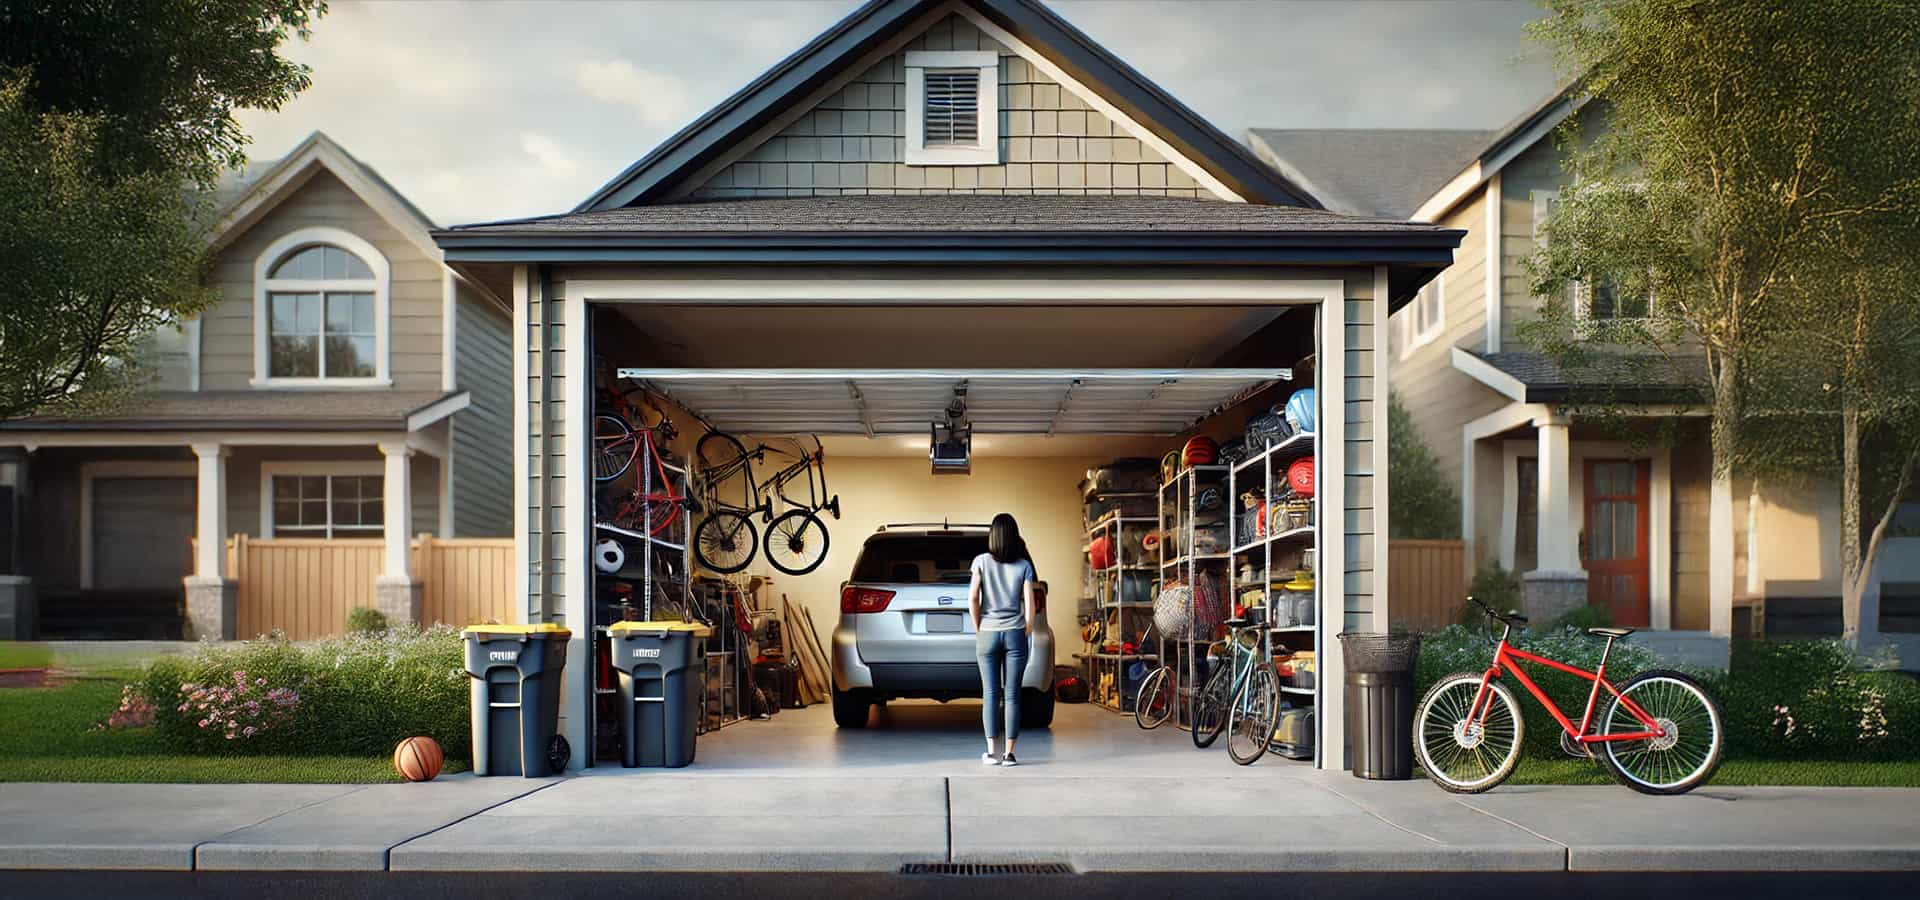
[
  {"x": 621, "y": 435},
  {"x": 1660, "y": 733}
]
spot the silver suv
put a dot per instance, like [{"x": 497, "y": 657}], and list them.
[{"x": 905, "y": 632}]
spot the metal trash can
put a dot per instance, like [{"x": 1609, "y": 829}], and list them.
[
  {"x": 1380, "y": 701},
  {"x": 514, "y": 672},
  {"x": 659, "y": 666}
]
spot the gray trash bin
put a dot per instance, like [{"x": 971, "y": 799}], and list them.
[
  {"x": 1380, "y": 700},
  {"x": 514, "y": 672},
  {"x": 660, "y": 667}
]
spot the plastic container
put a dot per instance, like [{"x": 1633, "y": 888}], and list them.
[
  {"x": 658, "y": 666},
  {"x": 514, "y": 672}
]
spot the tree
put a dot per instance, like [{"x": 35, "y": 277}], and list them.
[
  {"x": 116, "y": 118},
  {"x": 1425, "y": 506},
  {"x": 1753, "y": 187}
]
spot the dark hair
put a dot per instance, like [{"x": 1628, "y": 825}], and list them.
[{"x": 1003, "y": 540}]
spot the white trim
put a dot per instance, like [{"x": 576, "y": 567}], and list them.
[
  {"x": 1488, "y": 374},
  {"x": 1659, "y": 510},
  {"x": 522, "y": 348},
  {"x": 1460, "y": 186},
  {"x": 449, "y": 331},
  {"x": 1414, "y": 336},
  {"x": 329, "y": 467},
  {"x": 1496, "y": 282},
  {"x": 34, "y": 440},
  {"x": 117, "y": 468},
  {"x": 577, "y": 525},
  {"x": 193, "y": 349},
  {"x": 954, "y": 292},
  {"x": 396, "y": 519},
  {"x": 312, "y": 155},
  {"x": 1382, "y": 387},
  {"x": 380, "y": 286},
  {"x": 1450, "y": 194},
  {"x": 1471, "y": 434},
  {"x": 437, "y": 410},
  {"x": 446, "y": 492},
  {"x": 1330, "y": 564},
  {"x": 987, "y": 151}
]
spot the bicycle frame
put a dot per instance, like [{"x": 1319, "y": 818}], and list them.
[{"x": 1506, "y": 658}]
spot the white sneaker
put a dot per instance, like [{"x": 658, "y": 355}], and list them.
[
  {"x": 1008, "y": 760},
  {"x": 988, "y": 759}
]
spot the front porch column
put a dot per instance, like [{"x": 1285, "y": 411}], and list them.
[
  {"x": 396, "y": 595},
  {"x": 212, "y": 600},
  {"x": 1558, "y": 584}
]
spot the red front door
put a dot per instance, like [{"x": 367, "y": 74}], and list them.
[{"x": 1614, "y": 545}]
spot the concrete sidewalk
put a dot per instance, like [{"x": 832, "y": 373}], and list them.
[{"x": 1292, "y": 819}]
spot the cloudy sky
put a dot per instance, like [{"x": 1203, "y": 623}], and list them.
[{"x": 487, "y": 109}]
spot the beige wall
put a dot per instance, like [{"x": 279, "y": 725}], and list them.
[
  {"x": 853, "y": 141},
  {"x": 1042, "y": 494},
  {"x": 226, "y": 338}
]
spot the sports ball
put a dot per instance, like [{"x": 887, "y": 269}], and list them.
[
  {"x": 609, "y": 556},
  {"x": 418, "y": 759},
  {"x": 1300, "y": 476}
]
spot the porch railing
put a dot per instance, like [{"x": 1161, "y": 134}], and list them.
[
  {"x": 304, "y": 587},
  {"x": 1426, "y": 582}
]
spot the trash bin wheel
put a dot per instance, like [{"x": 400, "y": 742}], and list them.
[{"x": 558, "y": 753}]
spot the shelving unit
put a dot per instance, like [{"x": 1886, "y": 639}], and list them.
[
  {"x": 657, "y": 573},
  {"x": 1183, "y": 560},
  {"x": 1119, "y": 615},
  {"x": 1268, "y": 552}
]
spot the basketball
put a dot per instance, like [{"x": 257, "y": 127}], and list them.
[{"x": 417, "y": 759}]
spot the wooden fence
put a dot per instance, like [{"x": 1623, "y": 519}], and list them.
[
  {"x": 304, "y": 587},
  {"x": 1426, "y": 582}
]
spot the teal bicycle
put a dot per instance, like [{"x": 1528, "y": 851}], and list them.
[{"x": 1242, "y": 696}]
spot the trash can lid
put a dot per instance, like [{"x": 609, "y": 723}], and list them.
[
  {"x": 549, "y": 630},
  {"x": 696, "y": 628}
]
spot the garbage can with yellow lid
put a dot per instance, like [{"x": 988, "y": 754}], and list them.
[
  {"x": 514, "y": 672},
  {"x": 660, "y": 666}
]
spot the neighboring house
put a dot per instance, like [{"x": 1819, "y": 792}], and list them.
[
  {"x": 346, "y": 385},
  {"x": 1580, "y": 515},
  {"x": 944, "y": 184}
]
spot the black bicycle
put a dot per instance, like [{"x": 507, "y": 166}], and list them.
[{"x": 796, "y": 540}]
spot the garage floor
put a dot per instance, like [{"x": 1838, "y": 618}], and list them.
[{"x": 922, "y": 737}]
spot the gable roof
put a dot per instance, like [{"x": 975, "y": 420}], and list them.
[
  {"x": 318, "y": 152},
  {"x": 868, "y": 28},
  {"x": 1369, "y": 171}
]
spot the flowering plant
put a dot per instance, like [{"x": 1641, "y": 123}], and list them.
[
  {"x": 134, "y": 711},
  {"x": 241, "y": 710}
]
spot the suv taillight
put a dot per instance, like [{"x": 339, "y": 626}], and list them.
[{"x": 864, "y": 600}]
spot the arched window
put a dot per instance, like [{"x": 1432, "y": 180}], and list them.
[{"x": 320, "y": 312}]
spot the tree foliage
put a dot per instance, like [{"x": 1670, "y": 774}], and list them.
[
  {"x": 1753, "y": 169},
  {"x": 1425, "y": 505},
  {"x": 116, "y": 116}
]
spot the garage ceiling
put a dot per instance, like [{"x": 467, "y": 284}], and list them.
[{"x": 902, "y": 402}]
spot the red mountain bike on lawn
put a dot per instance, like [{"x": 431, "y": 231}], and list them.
[{"x": 1660, "y": 733}]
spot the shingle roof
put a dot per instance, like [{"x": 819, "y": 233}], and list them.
[
  {"x": 1643, "y": 376},
  {"x": 1377, "y": 172},
  {"x": 367, "y": 410},
  {"x": 949, "y": 213}
]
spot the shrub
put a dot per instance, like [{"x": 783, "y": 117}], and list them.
[
  {"x": 358, "y": 695},
  {"x": 365, "y": 620},
  {"x": 1812, "y": 700},
  {"x": 244, "y": 710},
  {"x": 1424, "y": 503},
  {"x": 1459, "y": 648}
]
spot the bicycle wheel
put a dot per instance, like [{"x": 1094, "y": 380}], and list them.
[
  {"x": 1154, "y": 702},
  {"x": 1253, "y": 717},
  {"x": 661, "y": 511},
  {"x": 1210, "y": 706},
  {"x": 613, "y": 447},
  {"x": 797, "y": 542},
  {"x": 1676, "y": 762},
  {"x": 717, "y": 448},
  {"x": 1461, "y": 756},
  {"x": 725, "y": 542}
]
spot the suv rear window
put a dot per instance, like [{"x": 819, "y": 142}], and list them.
[{"x": 919, "y": 560}]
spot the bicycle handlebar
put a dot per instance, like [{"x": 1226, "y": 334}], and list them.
[{"x": 1511, "y": 617}]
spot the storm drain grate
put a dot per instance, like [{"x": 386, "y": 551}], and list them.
[{"x": 978, "y": 869}]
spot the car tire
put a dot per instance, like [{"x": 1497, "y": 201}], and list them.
[
  {"x": 851, "y": 708},
  {"x": 1036, "y": 709}
]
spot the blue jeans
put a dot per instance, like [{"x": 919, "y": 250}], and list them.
[{"x": 1003, "y": 660}]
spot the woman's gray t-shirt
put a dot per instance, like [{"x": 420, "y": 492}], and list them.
[{"x": 1002, "y": 594}]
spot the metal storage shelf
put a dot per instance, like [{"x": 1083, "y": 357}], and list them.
[
  {"x": 1110, "y": 585},
  {"x": 1290, "y": 689},
  {"x": 1264, "y": 475},
  {"x": 1304, "y": 532},
  {"x": 1294, "y": 447}
]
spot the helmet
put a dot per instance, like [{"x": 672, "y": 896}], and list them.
[
  {"x": 1169, "y": 465},
  {"x": 1100, "y": 552},
  {"x": 1299, "y": 410},
  {"x": 1300, "y": 476},
  {"x": 609, "y": 556},
  {"x": 1200, "y": 451}
]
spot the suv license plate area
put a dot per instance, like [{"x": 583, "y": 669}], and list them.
[{"x": 946, "y": 623}]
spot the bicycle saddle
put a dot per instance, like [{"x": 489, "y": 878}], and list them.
[{"x": 1609, "y": 632}]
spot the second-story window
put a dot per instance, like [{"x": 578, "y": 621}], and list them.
[
  {"x": 1424, "y": 317},
  {"x": 321, "y": 309}
]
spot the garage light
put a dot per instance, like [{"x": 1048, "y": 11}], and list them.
[{"x": 952, "y": 450}]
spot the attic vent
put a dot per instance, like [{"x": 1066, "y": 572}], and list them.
[
  {"x": 953, "y": 108},
  {"x": 951, "y": 111}
]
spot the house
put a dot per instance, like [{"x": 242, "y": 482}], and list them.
[
  {"x": 939, "y": 203},
  {"x": 346, "y": 387},
  {"x": 1640, "y": 528}
]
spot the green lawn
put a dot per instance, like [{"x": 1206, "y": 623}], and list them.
[
  {"x": 15, "y": 655},
  {"x": 1905, "y": 773},
  {"x": 49, "y": 737}
]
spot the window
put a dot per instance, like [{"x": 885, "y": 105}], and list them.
[
  {"x": 1424, "y": 317},
  {"x": 1601, "y": 300},
  {"x": 326, "y": 506},
  {"x": 953, "y": 108},
  {"x": 321, "y": 311}
]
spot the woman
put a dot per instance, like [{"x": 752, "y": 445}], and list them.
[{"x": 1001, "y": 599}]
